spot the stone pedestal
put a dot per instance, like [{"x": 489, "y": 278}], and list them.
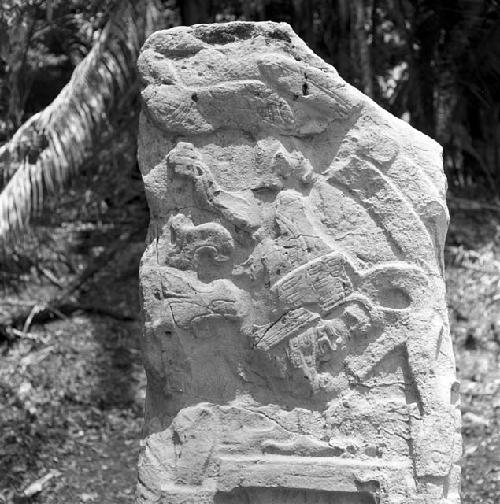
[{"x": 296, "y": 337}]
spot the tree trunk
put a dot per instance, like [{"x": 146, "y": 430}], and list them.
[
  {"x": 19, "y": 39},
  {"x": 363, "y": 48},
  {"x": 304, "y": 19}
]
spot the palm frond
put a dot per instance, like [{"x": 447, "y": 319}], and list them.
[{"x": 52, "y": 145}]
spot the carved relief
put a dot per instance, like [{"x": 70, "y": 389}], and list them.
[{"x": 296, "y": 336}]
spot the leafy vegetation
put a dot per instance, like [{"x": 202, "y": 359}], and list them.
[
  {"x": 434, "y": 63},
  {"x": 73, "y": 215}
]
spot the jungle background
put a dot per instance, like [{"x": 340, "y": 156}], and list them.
[{"x": 73, "y": 215}]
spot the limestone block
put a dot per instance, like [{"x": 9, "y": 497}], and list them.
[{"x": 296, "y": 338}]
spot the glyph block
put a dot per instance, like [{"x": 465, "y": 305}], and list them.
[{"x": 296, "y": 337}]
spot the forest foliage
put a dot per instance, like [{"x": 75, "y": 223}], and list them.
[{"x": 67, "y": 77}]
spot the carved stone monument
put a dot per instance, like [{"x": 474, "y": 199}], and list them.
[{"x": 296, "y": 337}]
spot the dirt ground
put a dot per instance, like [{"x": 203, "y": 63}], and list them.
[
  {"x": 72, "y": 390},
  {"x": 473, "y": 286},
  {"x": 72, "y": 395}
]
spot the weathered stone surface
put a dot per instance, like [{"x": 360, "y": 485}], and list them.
[{"x": 296, "y": 335}]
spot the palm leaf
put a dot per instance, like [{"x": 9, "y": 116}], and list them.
[{"x": 54, "y": 143}]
